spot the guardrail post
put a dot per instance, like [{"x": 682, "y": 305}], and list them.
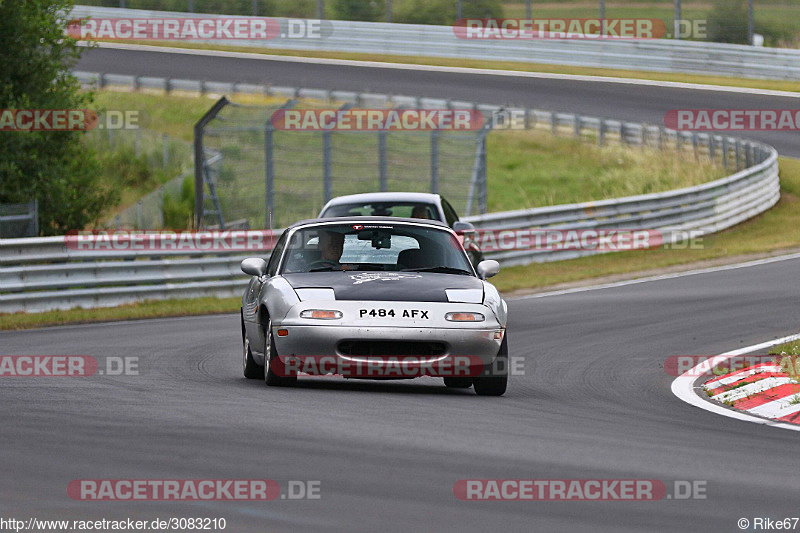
[
  {"x": 165, "y": 150},
  {"x": 601, "y": 132},
  {"x": 576, "y": 120},
  {"x": 725, "y": 149},
  {"x": 139, "y": 221},
  {"x": 748, "y": 154},
  {"x": 327, "y": 186},
  {"x": 711, "y": 151},
  {"x": 435, "y": 161},
  {"x": 137, "y": 141},
  {"x": 738, "y": 149},
  {"x": 554, "y": 123},
  {"x": 383, "y": 182},
  {"x": 694, "y": 144}
]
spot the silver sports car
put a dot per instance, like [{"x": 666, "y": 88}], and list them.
[{"x": 376, "y": 298}]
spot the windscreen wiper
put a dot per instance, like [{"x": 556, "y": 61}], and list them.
[{"x": 440, "y": 269}]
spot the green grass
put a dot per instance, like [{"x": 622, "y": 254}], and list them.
[
  {"x": 141, "y": 310},
  {"x": 777, "y": 229},
  {"x": 534, "y": 168},
  {"x": 789, "y": 362}
]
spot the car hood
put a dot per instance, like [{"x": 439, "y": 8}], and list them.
[{"x": 386, "y": 286}]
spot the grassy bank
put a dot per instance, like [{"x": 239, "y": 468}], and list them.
[{"x": 778, "y": 228}]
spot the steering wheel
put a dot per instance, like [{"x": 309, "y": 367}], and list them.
[{"x": 322, "y": 263}]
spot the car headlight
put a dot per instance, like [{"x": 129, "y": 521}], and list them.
[
  {"x": 464, "y": 317},
  {"x": 324, "y": 314}
]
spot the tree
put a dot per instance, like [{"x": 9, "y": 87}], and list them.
[{"x": 54, "y": 167}]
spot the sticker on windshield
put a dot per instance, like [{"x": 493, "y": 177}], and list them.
[{"x": 381, "y": 276}]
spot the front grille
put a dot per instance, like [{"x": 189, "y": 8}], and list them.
[{"x": 391, "y": 348}]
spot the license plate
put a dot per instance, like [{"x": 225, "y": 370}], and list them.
[{"x": 393, "y": 313}]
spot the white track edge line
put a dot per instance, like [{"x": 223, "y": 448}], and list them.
[
  {"x": 452, "y": 70},
  {"x": 721, "y": 268},
  {"x": 683, "y": 388}
]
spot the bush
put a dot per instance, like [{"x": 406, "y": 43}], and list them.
[
  {"x": 482, "y": 9},
  {"x": 727, "y": 22},
  {"x": 366, "y": 10},
  {"x": 443, "y": 12},
  {"x": 179, "y": 212}
]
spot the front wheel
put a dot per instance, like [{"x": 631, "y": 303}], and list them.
[
  {"x": 250, "y": 368},
  {"x": 495, "y": 381},
  {"x": 272, "y": 378}
]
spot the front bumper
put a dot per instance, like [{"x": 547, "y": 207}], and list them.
[{"x": 327, "y": 340}]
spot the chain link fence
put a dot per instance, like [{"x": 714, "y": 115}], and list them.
[{"x": 256, "y": 176}]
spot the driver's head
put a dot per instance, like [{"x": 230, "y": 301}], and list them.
[
  {"x": 420, "y": 211},
  {"x": 331, "y": 244}
]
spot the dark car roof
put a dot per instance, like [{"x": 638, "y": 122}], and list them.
[{"x": 370, "y": 220}]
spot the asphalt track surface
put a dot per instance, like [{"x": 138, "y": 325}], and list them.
[
  {"x": 594, "y": 403},
  {"x": 620, "y": 101}
]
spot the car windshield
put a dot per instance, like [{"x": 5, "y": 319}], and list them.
[
  {"x": 374, "y": 247},
  {"x": 383, "y": 209}
]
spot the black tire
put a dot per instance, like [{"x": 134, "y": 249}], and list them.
[
  {"x": 457, "y": 383},
  {"x": 495, "y": 381},
  {"x": 250, "y": 368},
  {"x": 271, "y": 378}
]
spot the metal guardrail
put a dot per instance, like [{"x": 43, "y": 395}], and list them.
[
  {"x": 19, "y": 220},
  {"x": 661, "y": 55},
  {"x": 44, "y": 273}
]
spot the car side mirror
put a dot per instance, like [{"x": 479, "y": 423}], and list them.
[
  {"x": 459, "y": 226},
  {"x": 488, "y": 268},
  {"x": 255, "y": 266}
]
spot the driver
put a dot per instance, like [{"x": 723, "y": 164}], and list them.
[{"x": 331, "y": 246}]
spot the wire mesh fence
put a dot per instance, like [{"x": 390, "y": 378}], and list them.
[
  {"x": 260, "y": 176},
  {"x": 162, "y": 162}
]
